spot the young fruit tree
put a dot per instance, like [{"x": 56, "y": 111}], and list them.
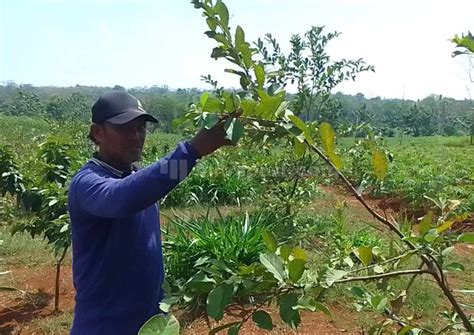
[{"x": 283, "y": 275}]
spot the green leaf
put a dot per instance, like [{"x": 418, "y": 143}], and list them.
[
  {"x": 431, "y": 235},
  {"x": 296, "y": 268},
  {"x": 262, "y": 319},
  {"x": 211, "y": 23},
  {"x": 285, "y": 252},
  {"x": 64, "y": 228},
  {"x": 246, "y": 53},
  {"x": 159, "y": 324},
  {"x": 288, "y": 314},
  {"x": 365, "y": 255},
  {"x": 248, "y": 107},
  {"x": 380, "y": 164},
  {"x": 299, "y": 148},
  {"x": 358, "y": 292},
  {"x": 234, "y": 330},
  {"x": 214, "y": 105},
  {"x": 201, "y": 282},
  {"x": 209, "y": 120},
  {"x": 426, "y": 223},
  {"x": 466, "y": 238},
  {"x": 218, "y": 299},
  {"x": 260, "y": 75},
  {"x": 310, "y": 304},
  {"x": 464, "y": 41},
  {"x": 267, "y": 108},
  {"x": 228, "y": 102},
  {"x": 320, "y": 307},
  {"x": 274, "y": 265},
  {"x": 220, "y": 328},
  {"x": 239, "y": 37},
  {"x": 455, "y": 266},
  {"x": 333, "y": 275},
  {"x": 405, "y": 330},
  {"x": 166, "y": 303},
  {"x": 218, "y": 52},
  {"x": 234, "y": 129},
  {"x": 203, "y": 100},
  {"x": 298, "y": 123},
  {"x": 447, "y": 251},
  {"x": 223, "y": 12},
  {"x": 270, "y": 240},
  {"x": 378, "y": 302}
]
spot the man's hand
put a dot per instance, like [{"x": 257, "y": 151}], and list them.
[{"x": 206, "y": 141}]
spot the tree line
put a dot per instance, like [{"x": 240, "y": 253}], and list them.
[{"x": 352, "y": 114}]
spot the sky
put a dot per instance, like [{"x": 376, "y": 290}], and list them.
[{"x": 143, "y": 43}]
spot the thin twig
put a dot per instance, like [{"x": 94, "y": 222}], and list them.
[
  {"x": 383, "y": 275},
  {"x": 385, "y": 262}
]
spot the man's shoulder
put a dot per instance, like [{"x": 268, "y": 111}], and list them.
[{"x": 89, "y": 168}]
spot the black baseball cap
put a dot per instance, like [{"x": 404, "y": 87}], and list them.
[{"x": 118, "y": 107}]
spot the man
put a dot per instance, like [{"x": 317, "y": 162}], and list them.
[{"x": 117, "y": 256}]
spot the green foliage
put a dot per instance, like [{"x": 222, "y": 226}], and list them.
[
  {"x": 158, "y": 324},
  {"x": 214, "y": 181},
  {"x": 46, "y": 198},
  {"x": 234, "y": 240},
  {"x": 11, "y": 181},
  {"x": 465, "y": 42}
]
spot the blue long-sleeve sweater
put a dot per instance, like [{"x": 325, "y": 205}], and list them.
[{"x": 117, "y": 257}]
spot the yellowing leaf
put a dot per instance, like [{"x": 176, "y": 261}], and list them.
[
  {"x": 327, "y": 137},
  {"x": 299, "y": 253},
  {"x": 365, "y": 255},
  {"x": 444, "y": 227},
  {"x": 425, "y": 223},
  {"x": 336, "y": 160},
  {"x": 380, "y": 164}
]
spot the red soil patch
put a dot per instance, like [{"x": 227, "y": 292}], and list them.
[
  {"x": 18, "y": 309},
  {"x": 311, "y": 323}
]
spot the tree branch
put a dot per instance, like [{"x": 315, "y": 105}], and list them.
[
  {"x": 385, "y": 262},
  {"x": 383, "y": 275}
]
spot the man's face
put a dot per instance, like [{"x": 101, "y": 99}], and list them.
[{"x": 121, "y": 144}]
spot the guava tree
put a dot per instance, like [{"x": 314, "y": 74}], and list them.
[
  {"x": 283, "y": 275},
  {"x": 42, "y": 196}
]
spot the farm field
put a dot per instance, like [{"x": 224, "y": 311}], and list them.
[{"x": 252, "y": 188}]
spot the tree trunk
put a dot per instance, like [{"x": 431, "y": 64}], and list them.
[{"x": 56, "y": 288}]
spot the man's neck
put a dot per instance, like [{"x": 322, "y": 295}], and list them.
[{"x": 127, "y": 168}]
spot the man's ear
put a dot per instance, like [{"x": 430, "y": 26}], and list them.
[{"x": 96, "y": 133}]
